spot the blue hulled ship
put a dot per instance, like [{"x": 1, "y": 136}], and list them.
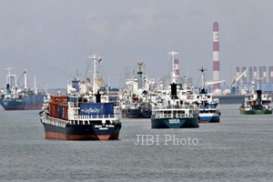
[
  {"x": 208, "y": 111},
  {"x": 16, "y": 98}
]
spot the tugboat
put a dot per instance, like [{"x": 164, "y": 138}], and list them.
[
  {"x": 16, "y": 98},
  {"x": 82, "y": 114},
  {"x": 257, "y": 103},
  {"x": 208, "y": 112},
  {"x": 173, "y": 112}
]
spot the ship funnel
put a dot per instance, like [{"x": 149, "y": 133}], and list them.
[
  {"x": 203, "y": 89},
  {"x": 259, "y": 97},
  {"x": 98, "y": 97},
  {"x": 174, "y": 91},
  {"x": 76, "y": 84},
  {"x": 8, "y": 87}
]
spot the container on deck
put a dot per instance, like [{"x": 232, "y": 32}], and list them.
[
  {"x": 58, "y": 107},
  {"x": 96, "y": 109}
]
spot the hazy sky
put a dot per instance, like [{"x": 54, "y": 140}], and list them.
[{"x": 53, "y": 38}]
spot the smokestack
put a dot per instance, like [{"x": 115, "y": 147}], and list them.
[
  {"x": 215, "y": 55},
  {"x": 176, "y": 69},
  {"x": 174, "y": 91},
  {"x": 259, "y": 97},
  {"x": 98, "y": 97}
]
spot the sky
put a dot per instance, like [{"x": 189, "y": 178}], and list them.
[{"x": 52, "y": 39}]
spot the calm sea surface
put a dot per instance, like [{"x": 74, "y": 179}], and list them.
[{"x": 238, "y": 149}]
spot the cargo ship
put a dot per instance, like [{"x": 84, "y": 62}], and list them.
[
  {"x": 135, "y": 102},
  {"x": 174, "y": 112},
  {"x": 16, "y": 98},
  {"x": 208, "y": 111},
  {"x": 82, "y": 114},
  {"x": 257, "y": 103}
]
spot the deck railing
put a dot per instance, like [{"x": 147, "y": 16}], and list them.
[
  {"x": 159, "y": 114},
  {"x": 97, "y": 116}
]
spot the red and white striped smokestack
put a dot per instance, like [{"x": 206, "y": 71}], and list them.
[
  {"x": 176, "y": 69},
  {"x": 215, "y": 55}
]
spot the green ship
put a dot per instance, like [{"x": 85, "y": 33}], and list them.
[{"x": 257, "y": 103}]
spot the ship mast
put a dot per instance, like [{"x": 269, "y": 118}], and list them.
[
  {"x": 95, "y": 60},
  {"x": 140, "y": 75},
  {"x": 11, "y": 79},
  {"x": 8, "y": 80},
  {"x": 25, "y": 79},
  {"x": 173, "y": 74},
  {"x": 203, "y": 77}
]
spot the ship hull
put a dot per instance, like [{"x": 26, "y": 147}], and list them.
[
  {"x": 209, "y": 118},
  {"x": 136, "y": 113},
  {"x": 174, "y": 123},
  {"x": 255, "y": 111},
  {"x": 81, "y": 132}
]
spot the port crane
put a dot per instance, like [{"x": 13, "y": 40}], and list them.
[{"x": 235, "y": 80}]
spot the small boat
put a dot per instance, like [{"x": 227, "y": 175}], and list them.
[
  {"x": 257, "y": 103},
  {"x": 208, "y": 111}
]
